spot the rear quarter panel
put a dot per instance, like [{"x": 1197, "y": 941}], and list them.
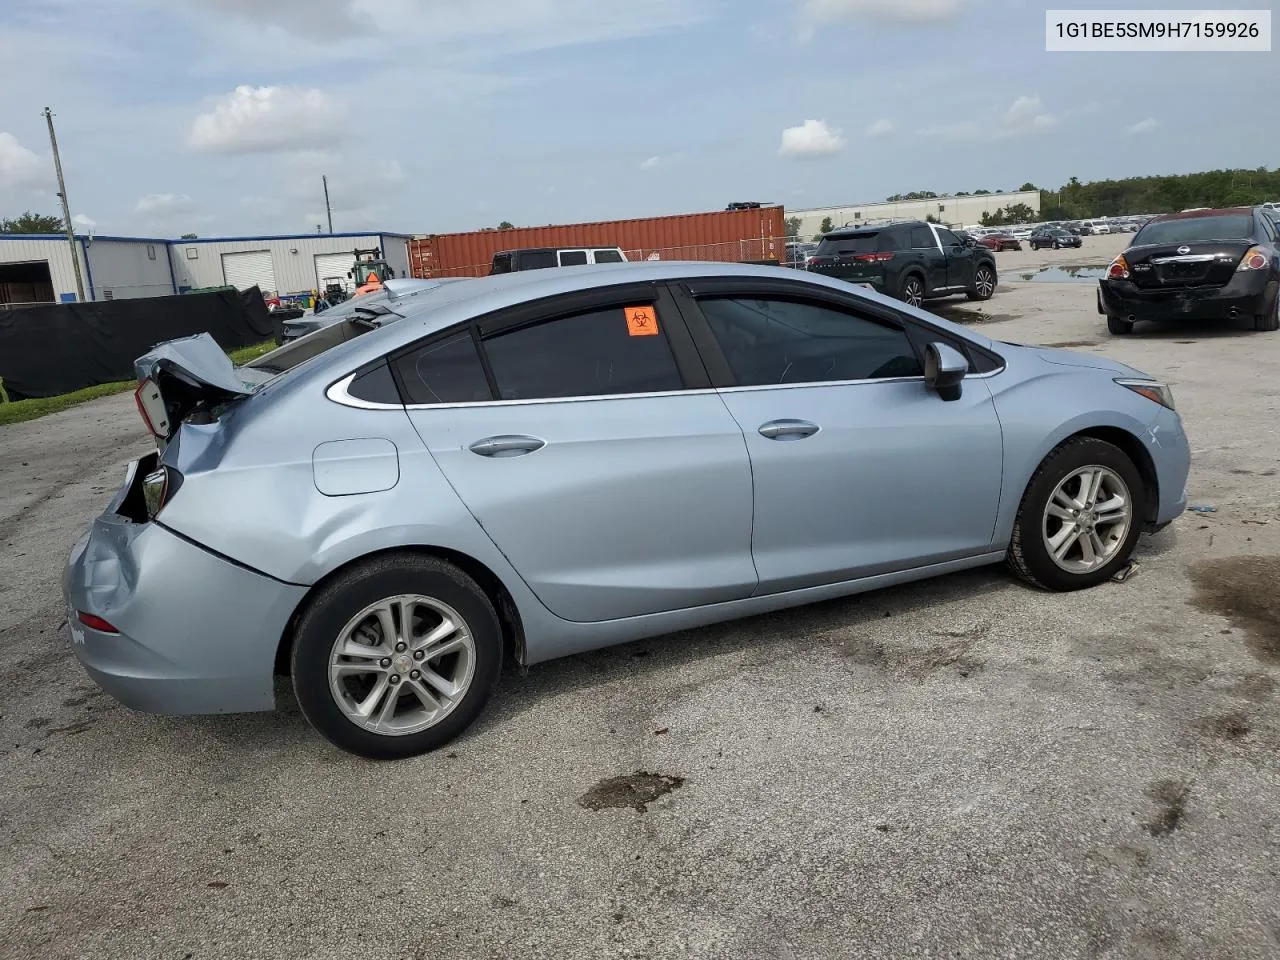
[{"x": 250, "y": 492}]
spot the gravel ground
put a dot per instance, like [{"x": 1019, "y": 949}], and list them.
[{"x": 959, "y": 768}]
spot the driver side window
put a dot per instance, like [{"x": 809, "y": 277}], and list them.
[{"x": 774, "y": 341}]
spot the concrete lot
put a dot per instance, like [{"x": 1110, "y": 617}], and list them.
[{"x": 960, "y": 768}]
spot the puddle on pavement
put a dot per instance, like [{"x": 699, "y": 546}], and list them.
[
  {"x": 636, "y": 790},
  {"x": 1084, "y": 274},
  {"x": 1245, "y": 590}
]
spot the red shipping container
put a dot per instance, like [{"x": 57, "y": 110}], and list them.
[{"x": 729, "y": 235}]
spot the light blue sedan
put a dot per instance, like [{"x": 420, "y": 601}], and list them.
[{"x": 536, "y": 464}]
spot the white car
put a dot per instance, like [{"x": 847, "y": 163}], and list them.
[{"x": 1098, "y": 226}]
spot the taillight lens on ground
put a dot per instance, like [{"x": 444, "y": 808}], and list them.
[
  {"x": 1119, "y": 269},
  {"x": 1254, "y": 259},
  {"x": 94, "y": 622},
  {"x": 151, "y": 407}
]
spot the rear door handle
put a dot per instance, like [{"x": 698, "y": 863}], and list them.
[
  {"x": 788, "y": 429},
  {"x": 506, "y": 446}
]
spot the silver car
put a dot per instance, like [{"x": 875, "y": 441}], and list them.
[{"x": 536, "y": 464}]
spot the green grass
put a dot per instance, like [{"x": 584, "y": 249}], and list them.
[
  {"x": 243, "y": 355},
  {"x": 16, "y": 411}
]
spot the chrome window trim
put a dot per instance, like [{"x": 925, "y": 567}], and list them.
[{"x": 337, "y": 392}]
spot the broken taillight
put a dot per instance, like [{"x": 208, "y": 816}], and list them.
[
  {"x": 152, "y": 408},
  {"x": 94, "y": 622}
]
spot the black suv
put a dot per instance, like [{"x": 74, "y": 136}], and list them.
[{"x": 913, "y": 261}]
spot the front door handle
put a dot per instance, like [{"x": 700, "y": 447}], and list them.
[
  {"x": 506, "y": 446},
  {"x": 788, "y": 429}
]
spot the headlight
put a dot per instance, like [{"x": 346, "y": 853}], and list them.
[{"x": 1152, "y": 390}]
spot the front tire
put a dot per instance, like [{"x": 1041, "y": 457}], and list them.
[
  {"x": 1080, "y": 517},
  {"x": 396, "y": 656},
  {"x": 984, "y": 283},
  {"x": 1119, "y": 327}
]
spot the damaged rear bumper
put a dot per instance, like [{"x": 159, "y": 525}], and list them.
[{"x": 197, "y": 633}]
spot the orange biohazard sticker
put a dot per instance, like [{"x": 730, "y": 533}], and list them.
[{"x": 641, "y": 321}]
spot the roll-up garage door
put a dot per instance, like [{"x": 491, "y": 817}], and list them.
[
  {"x": 249, "y": 268},
  {"x": 333, "y": 265}
]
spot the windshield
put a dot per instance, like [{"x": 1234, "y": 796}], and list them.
[{"x": 1196, "y": 229}]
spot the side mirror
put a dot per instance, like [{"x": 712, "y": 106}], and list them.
[{"x": 944, "y": 369}]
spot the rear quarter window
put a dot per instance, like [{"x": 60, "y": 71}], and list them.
[{"x": 443, "y": 371}]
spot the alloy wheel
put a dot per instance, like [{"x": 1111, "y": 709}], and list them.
[
  {"x": 984, "y": 283},
  {"x": 402, "y": 664},
  {"x": 1087, "y": 518},
  {"x": 913, "y": 292}
]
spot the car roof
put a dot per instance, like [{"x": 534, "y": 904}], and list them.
[
  {"x": 1216, "y": 212},
  {"x": 839, "y": 232},
  {"x": 454, "y": 303}
]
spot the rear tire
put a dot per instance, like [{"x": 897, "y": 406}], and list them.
[
  {"x": 1057, "y": 488},
  {"x": 1269, "y": 321},
  {"x": 912, "y": 292},
  {"x": 984, "y": 283},
  {"x": 1119, "y": 327},
  {"x": 350, "y": 613}
]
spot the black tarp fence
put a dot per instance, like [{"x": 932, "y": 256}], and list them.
[{"x": 51, "y": 350}]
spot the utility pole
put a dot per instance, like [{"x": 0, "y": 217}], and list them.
[
  {"x": 66, "y": 208},
  {"x": 328, "y": 212}
]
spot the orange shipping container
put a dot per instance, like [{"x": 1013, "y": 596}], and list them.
[{"x": 729, "y": 235}]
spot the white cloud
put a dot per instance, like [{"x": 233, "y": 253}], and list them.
[
  {"x": 650, "y": 163},
  {"x": 815, "y": 12},
  {"x": 881, "y": 128},
  {"x": 268, "y": 119},
  {"x": 20, "y": 167},
  {"x": 81, "y": 222},
  {"x": 813, "y": 138},
  {"x": 1025, "y": 116},
  {"x": 159, "y": 204},
  {"x": 1143, "y": 126}
]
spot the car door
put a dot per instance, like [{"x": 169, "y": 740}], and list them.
[
  {"x": 925, "y": 246},
  {"x": 583, "y": 435},
  {"x": 959, "y": 259},
  {"x": 859, "y": 468}
]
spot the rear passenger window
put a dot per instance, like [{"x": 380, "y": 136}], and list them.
[
  {"x": 445, "y": 371},
  {"x": 610, "y": 351},
  {"x": 922, "y": 238},
  {"x": 770, "y": 342},
  {"x": 608, "y": 256},
  {"x": 573, "y": 258}
]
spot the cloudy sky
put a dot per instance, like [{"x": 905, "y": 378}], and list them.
[{"x": 219, "y": 116}]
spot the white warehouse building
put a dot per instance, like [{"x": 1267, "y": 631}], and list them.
[
  {"x": 953, "y": 211},
  {"x": 38, "y": 268}
]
